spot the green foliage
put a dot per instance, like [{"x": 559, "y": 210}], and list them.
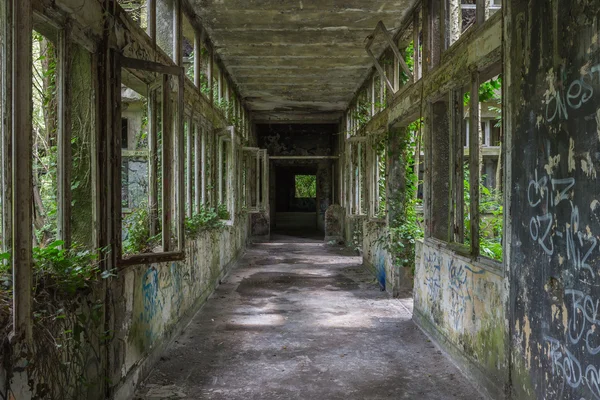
[
  {"x": 490, "y": 219},
  {"x": 137, "y": 226},
  {"x": 306, "y": 186},
  {"x": 222, "y": 212},
  {"x": 67, "y": 270},
  {"x": 488, "y": 91},
  {"x": 406, "y": 228},
  {"x": 206, "y": 219}
]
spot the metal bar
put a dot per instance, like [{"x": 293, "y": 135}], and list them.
[
  {"x": 64, "y": 140},
  {"x": 22, "y": 26}
]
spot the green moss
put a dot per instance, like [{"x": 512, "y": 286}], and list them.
[
  {"x": 487, "y": 347},
  {"x": 521, "y": 384}
]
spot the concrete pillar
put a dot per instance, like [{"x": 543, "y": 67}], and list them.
[
  {"x": 439, "y": 211},
  {"x": 396, "y": 174},
  {"x": 164, "y": 25}
]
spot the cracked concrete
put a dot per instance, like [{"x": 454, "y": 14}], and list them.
[{"x": 299, "y": 320}]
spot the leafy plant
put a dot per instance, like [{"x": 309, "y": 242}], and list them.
[
  {"x": 137, "y": 228},
  {"x": 206, "y": 219},
  {"x": 222, "y": 212},
  {"x": 406, "y": 227}
]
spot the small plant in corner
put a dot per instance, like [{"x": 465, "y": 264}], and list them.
[{"x": 223, "y": 212}]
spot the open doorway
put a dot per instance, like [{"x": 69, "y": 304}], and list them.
[{"x": 296, "y": 199}]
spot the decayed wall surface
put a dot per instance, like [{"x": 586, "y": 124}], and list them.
[
  {"x": 460, "y": 302},
  {"x": 153, "y": 302},
  {"x": 395, "y": 279},
  {"x": 554, "y": 86}
]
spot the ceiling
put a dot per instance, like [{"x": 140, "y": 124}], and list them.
[{"x": 297, "y": 60}]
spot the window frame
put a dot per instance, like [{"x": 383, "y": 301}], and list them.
[{"x": 174, "y": 182}]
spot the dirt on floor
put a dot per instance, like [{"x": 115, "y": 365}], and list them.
[{"x": 297, "y": 319}]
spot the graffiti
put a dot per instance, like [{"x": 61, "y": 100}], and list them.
[
  {"x": 432, "y": 275},
  {"x": 544, "y": 226},
  {"x": 150, "y": 295},
  {"x": 566, "y": 365},
  {"x": 460, "y": 284},
  {"x": 583, "y": 319},
  {"x": 177, "y": 288},
  {"x": 579, "y": 92}
]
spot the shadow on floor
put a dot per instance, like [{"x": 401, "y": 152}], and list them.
[{"x": 302, "y": 320}]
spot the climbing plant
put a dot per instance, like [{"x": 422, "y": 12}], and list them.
[{"x": 406, "y": 228}]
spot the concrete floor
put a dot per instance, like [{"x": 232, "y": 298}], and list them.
[{"x": 299, "y": 320}]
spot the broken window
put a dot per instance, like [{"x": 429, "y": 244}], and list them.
[
  {"x": 226, "y": 160},
  {"x": 152, "y": 163},
  {"x": 190, "y": 167},
  {"x": 478, "y": 169},
  {"x": 137, "y": 10},
  {"x": 357, "y": 176},
  {"x": 187, "y": 50},
  {"x": 205, "y": 60},
  {"x": 255, "y": 172},
  {"x": 46, "y": 126},
  {"x": 378, "y": 178}
]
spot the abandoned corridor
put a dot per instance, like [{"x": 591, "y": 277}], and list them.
[{"x": 299, "y": 319}]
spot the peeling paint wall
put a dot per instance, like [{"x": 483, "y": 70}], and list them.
[
  {"x": 153, "y": 302},
  {"x": 553, "y": 56},
  {"x": 460, "y": 303},
  {"x": 394, "y": 279}
]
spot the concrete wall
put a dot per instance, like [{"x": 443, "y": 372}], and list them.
[
  {"x": 396, "y": 280},
  {"x": 460, "y": 303},
  {"x": 553, "y": 59},
  {"x": 152, "y": 303}
]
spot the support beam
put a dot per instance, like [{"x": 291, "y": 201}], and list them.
[
  {"x": 22, "y": 26},
  {"x": 474, "y": 143},
  {"x": 177, "y": 33},
  {"x": 151, "y": 4},
  {"x": 6, "y": 123},
  {"x": 167, "y": 164}
]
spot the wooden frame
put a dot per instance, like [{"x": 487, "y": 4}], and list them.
[
  {"x": 395, "y": 85},
  {"x": 173, "y": 153}
]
